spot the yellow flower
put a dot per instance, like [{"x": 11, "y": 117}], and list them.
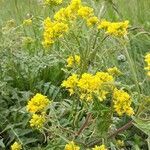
[
  {"x": 38, "y": 103},
  {"x": 52, "y": 31},
  {"x": 105, "y": 77},
  {"x": 37, "y": 121},
  {"x": 16, "y": 146},
  {"x": 59, "y": 29},
  {"x": 73, "y": 60},
  {"x": 120, "y": 143},
  {"x": 92, "y": 21},
  {"x": 68, "y": 13},
  {"x": 75, "y": 5},
  {"x": 71, "y": 146},
  {"x": 102, "y": 147},
  {"x": 70, "y": 83},
  {"x": 85, "y": 12},
  {"x": 89, "y": 85},
  {"x": 103, "y": 24},
  {"x": 114, "y": 71},
  {"x": 53, "y": 2},
  {"x": 122, "y": 102},
  {"x": 27, "y": 22},
  {"x": 147, "y": 60},
  {"x": 114, "y": 28}
]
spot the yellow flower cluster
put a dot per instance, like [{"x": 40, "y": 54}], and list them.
[
  {"x": 27, "y": 22},
  {"x": 73, "y": 61},
  {"x": 16, "y": 146},
  {"x": 37, "y": 121},
  {"x": 38, "y": 103},
  {"x": 87, "y": 13},
  {"x": 114, "y": 71},
  {"x": 120, "y": 143},
  {"x": 52, "y": 2},
  {"x": 60, "y": 25},
  {"x": 98, "y": 85},
  {"x": 114, "y": 28},
  {"x": 52, "y": 31},
  {"x": 102, "y": 147},
  {"x": 122, "y": 102},
  {"x": 90, "y": 85},
  {"x": 92, "y": 21},
  {"x": 71, "y": 83},
  {"x": 37, "y": 106},
  {"x": 71, "y": 146},
  {"x": 68, "y": 13},
  {"x": 147, "y": 60}
]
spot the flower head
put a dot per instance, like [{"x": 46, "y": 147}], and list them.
[
  {"x": 102, "y": 147},
  {"x": 53, "y": 2},
  {"x": 16, "y": 146},
  {"x": 52, "y": 31},
  {"x": 120, "y": 143},
  {"x": 71, "y": 83},
  {"x": 73, "y": 60},
  {"x": 38, "y": 103},
  {"x": 27, "y": 22},
  {"x": 114, "y": 71},
  {"x": 114, "y": 28},
  {"x": 122, "y": 102},
  {"x": 147, "y": 60},
  {"x": 37, "y": 121},
  {"x": 92, "y": 21},
  {"x": 71, "y": 146},
  {"x": 85, "y": 12}
]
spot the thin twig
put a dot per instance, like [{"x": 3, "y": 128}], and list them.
[
  {"x": 84, "y": 125},
  {"x": 123, "y": 128}
]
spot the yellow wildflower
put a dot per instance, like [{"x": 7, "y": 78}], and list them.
[
  {"x": 120, "y": 143},
  {"x": 63, "y": 15},
  {"x": 68, "y": 13},
  {"x": 85, "y": 12},
  {"x": 53, "y": 2},
  {"x": 59, "y": 28},
  {"x": 147, "y": 60},
  {"x": 73, "y": 60},
  {"x": 89, "y": 85},
  {"x": 71, "y": 146},
  {"x": 37, "y": 121},
  {"x": 92, "y": 21},
  {"x": 27, "y": 22},
  {"x": 102, "y": 147},
  {"x": 114, "y": 71},
  {"x": 105, "y": 77},
  {"x": 114, "y": 28},
  {"x": 52, "y": 31},
  {"x": 70, "y": 83},
  {"x": 103, "y": 24},
  {"x": 75, "y": 5},
  {"x": 16, "y": 146},
  {"x": 122, "y": 102},
  {"x": 38, "y": 103}
]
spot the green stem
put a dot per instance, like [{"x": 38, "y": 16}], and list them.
[{"x": 132, "y": 67}]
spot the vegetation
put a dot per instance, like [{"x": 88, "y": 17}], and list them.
[{"x": 75, "y": 75}]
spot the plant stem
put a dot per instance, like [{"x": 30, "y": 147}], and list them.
[
  {"x": 84, "y": 125},
  {"x": 123, "y": 128}
]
